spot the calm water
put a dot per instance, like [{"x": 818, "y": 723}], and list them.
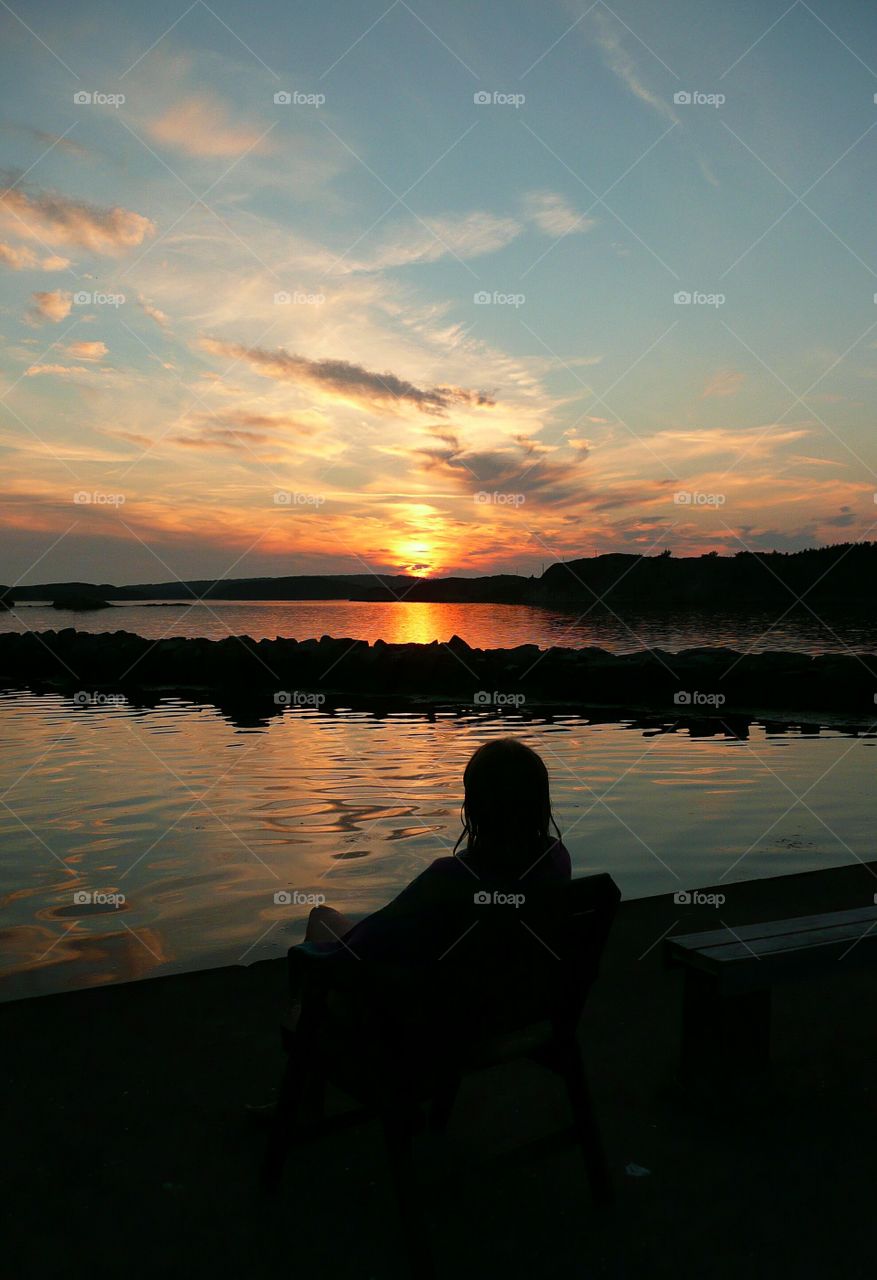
[
  {"x": 481, "y": 625},
  {"x": 199, "y": 823}
]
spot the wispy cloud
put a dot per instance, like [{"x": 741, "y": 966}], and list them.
[
  {"x": 726, "y": 382},
  {"x": 347, "y": 381},
  {"x": 607, "y": 33},
  {"x": 201, "y": 125},
  {"x": 465, "y": 236},
  {"x": 156, "y": 314},
  {"x": 552, "y": 214},
  {"x": 59, "y": 219}
]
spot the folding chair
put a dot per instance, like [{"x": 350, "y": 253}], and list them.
[{"x": 400, "y": 1039}]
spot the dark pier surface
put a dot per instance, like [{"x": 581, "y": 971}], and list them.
[{"x": 127, "y": 1152}]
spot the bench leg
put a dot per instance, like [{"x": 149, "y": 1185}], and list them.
[
  {"x": 723, "y": 1035},
  {"x": 587, "y": 1129}
]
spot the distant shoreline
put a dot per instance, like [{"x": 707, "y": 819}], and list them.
[{"x": 835, "y": 578}]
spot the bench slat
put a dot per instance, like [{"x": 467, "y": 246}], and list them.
[
  {"x": 796, "y": 925},
  {"x": 767, "y": 949}
]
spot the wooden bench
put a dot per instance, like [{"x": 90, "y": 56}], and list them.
[{"x": 729, "y": 974}]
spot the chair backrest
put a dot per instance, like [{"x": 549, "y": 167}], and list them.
[
  {"x": 532, "y": 961},
  {"x": 517, "y": 962}
]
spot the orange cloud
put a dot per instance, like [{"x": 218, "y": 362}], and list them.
[
  {"x": 159, "y": 317},
  {"x": 200, "y": 126},
  {"x": 20, "y": 258},
  {"x": 57, "y": 219},
  {"x": 57, "y": 371},
  {"x": 54, "y": 306},
  {"x": 87, "y": 350}
]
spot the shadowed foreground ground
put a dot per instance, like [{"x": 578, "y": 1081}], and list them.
[{"x": 127, "y": 1154}]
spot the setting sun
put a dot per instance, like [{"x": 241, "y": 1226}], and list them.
[{"x": 417, "y": 558}]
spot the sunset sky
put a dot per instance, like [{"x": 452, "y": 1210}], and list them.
[{"x": 151, "y": 364}]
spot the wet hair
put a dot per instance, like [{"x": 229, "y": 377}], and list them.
[{"x": 506, "y": 811}]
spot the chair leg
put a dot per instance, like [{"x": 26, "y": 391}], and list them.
[
  {"x": 397, "y": 1131},
  {"x": 588, "y": 1131},
  {"x": 292, "y": 1089},
  {"x": 443, "y": 1104}
]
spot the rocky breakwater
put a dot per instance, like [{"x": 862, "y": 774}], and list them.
[{"x": 703, "y": 681}]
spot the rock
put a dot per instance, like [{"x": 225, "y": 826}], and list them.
[{"x": 243, "y": 672}]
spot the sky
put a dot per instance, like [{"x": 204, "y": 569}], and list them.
[{"x": 463, "y": 287}]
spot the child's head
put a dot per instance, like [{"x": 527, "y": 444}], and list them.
[{"x": 507, "y": 807}]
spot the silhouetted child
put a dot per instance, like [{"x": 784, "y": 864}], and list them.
[{"x": 507, "y": 844}]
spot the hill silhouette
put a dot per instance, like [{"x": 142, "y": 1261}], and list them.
[{"x": 840, "y": 576}]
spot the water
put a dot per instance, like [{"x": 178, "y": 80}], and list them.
[
  {"x": 481, "y": 625},
  {"x": 200, "y": 822}
]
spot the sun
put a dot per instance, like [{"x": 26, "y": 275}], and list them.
[{"x": 417, "y": 558}]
